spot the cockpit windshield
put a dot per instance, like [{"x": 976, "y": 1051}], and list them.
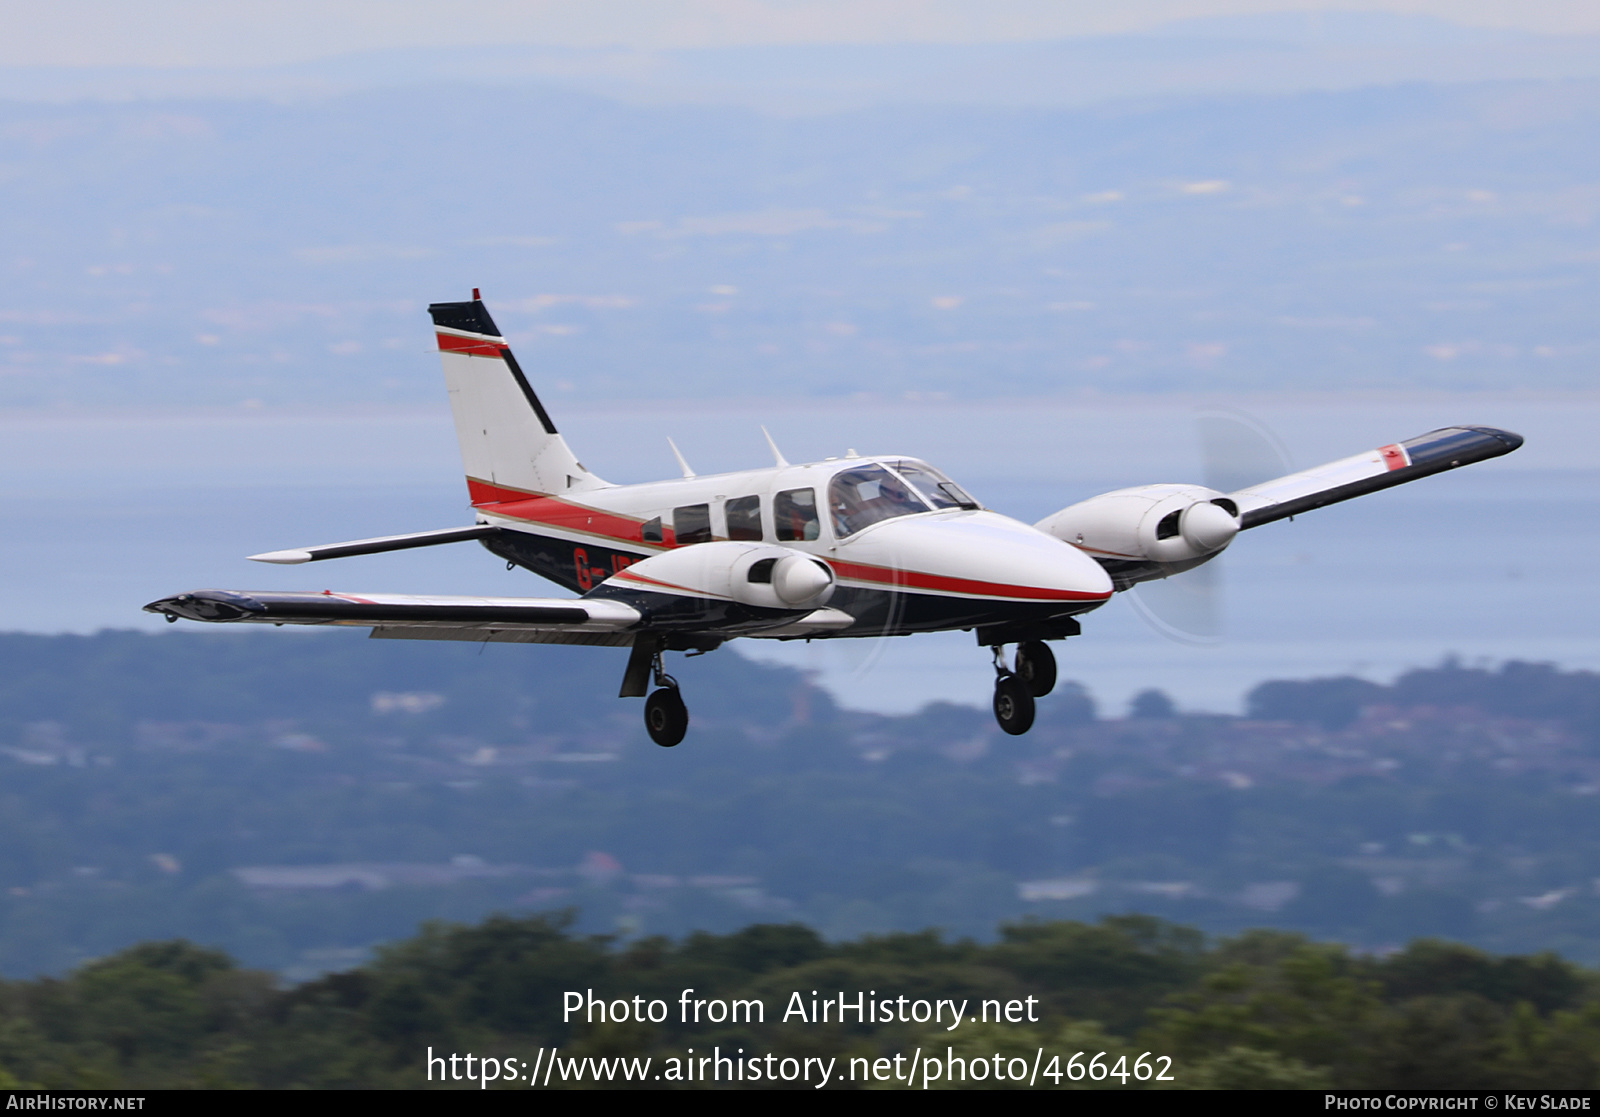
[
  {"x": 937, "y": 489},
  {"x": 869, "y": 493},
  {"x": 862, "y": 496}
]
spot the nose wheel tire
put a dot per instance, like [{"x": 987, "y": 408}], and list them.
[
  {"x": 1013, "y": 705},
  {"x": 666, "y": 718},
  {"x": 1036, "y": 667}
]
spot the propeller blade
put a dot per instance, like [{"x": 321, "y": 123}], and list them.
[
  {"x": 1236, "y": 451},
  {"x": 860, "y": 654},
  {"x": 1186, "y": 607}
]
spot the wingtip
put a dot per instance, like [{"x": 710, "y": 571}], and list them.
[{"x": 1511, "y": 438}]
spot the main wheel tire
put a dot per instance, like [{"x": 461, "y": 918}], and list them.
[
  {"x": 666, "y": 718},
  {"x": 1036, "y": 667},
  {"x": 1013, "y": 705}
]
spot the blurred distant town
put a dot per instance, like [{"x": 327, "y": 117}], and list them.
[{"x": 296, "y": 800}]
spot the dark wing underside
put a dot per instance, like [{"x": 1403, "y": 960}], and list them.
[{"x": 409, "y": 617}]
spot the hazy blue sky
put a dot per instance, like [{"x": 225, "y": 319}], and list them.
[
  {"x": 202, "y": 33},
  {"x": 1362, "y": 202}
]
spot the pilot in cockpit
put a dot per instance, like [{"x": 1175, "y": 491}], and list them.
[{"x": 894, "y": 499}]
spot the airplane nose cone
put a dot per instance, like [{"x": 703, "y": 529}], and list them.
[{"x": 977, "y": 554}]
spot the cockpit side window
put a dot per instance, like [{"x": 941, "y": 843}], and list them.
[
  {"x": 859, "y": 497},
  {"x": 794, "y": 515}
]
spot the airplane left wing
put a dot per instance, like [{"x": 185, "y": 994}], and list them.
[
  {"x": 1155, "y": 531},
  {"x": 523, "y": 620},
  {"x": 1385, "y": 467}
]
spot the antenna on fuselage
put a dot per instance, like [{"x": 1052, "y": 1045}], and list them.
[
  {"x": 687, "y": 472},
  {"x": 777, "y": 455}
]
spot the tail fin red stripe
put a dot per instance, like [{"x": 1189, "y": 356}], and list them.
[{"x": 472, "y": 346}]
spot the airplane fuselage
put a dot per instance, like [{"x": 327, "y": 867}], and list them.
[{"x": 899, "y": 568}]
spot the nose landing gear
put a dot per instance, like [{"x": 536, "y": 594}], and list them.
[
  {"x": 1033, "y": 675},
  {"x": 1036, "y": 667},
  {"x": 1013, "y": 698}
]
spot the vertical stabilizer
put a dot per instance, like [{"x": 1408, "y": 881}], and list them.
[{"x": 507, "y": 439}]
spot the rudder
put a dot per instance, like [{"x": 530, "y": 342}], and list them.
[{"x": 508, "y": 441}]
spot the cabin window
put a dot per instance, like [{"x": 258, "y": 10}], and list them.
[
  {"x": 860, "y": 497},
  {"x": 650, "y": 531},
  {"x": 794, "y": 514},
  {"x": 744, "y": 518},
  {"x": 692, "y": 524}
]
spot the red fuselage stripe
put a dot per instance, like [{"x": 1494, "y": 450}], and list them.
[
  {"x": 628, "y": 575},
  {"x": 549, "y": 511},
  {"x": 914, "y": 579}
]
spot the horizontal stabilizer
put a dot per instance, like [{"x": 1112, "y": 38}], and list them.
[
  {"x": 1382, "y": 468},
  {"x": 376, "y": 546},
  {"x": 484, "y": 614}
]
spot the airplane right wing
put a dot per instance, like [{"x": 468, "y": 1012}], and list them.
[
  {"x": 1395, "y": 464},
  {"x": 519, "y": 620}
]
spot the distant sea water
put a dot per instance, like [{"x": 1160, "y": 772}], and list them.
[{"x": 104, "y": 512}]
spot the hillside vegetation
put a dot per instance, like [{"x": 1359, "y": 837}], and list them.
[{"x": 1260, "y": 1010}]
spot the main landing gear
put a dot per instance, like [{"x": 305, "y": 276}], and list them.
[
  {"x": 666, "y": 718},
  {"x": 1015, "y": 688}
]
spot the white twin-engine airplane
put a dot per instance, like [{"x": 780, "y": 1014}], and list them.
[{"x": 860, "y": 546}]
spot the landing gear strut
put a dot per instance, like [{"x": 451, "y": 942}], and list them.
[{"x": 1013, "y": 698}]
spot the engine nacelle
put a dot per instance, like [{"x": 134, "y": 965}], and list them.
[
  {"x": 750, "y": 573},
  {"x": 1166, "y": 524}
]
